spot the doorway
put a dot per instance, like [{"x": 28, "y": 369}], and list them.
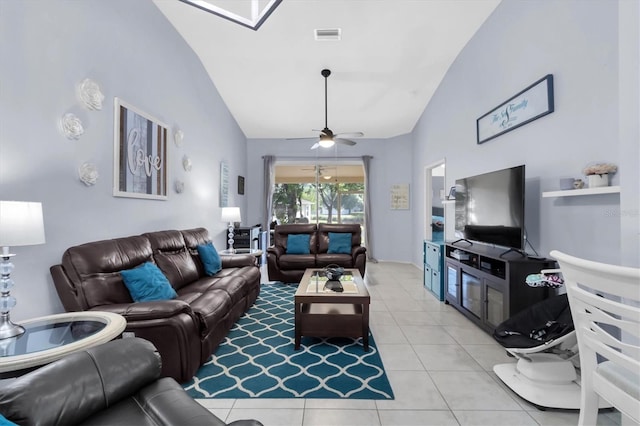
[{"x": 434, "y": 222}]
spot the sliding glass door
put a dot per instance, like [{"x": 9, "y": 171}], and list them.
[{"x": 319, "y": 193}]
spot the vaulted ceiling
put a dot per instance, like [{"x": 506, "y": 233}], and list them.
[{"x": 391, "y": 58}]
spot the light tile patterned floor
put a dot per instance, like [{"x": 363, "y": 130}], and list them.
[{"x": 439, "y": 365}]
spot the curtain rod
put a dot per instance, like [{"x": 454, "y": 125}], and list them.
[{"x": 278, "y": 157}]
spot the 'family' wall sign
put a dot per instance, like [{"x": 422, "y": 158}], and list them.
[{"x": 532, "y": 103}]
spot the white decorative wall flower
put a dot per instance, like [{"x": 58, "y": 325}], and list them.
[
  {"x": 178, "y": 138},
  {"x": 179, "y": 185},
  {"x": 186, "y": 163},
  {"x": 90, "y": 95},
  {"x": 71, "y": 126},
  {"x": 88, "y": 173}
]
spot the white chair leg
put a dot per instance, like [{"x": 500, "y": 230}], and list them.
[{"x": 588, "y": 408}]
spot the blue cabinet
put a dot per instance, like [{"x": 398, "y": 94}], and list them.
[{"x": 433, "y": 268}]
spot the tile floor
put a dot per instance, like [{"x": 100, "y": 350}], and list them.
[{"x": 439, "y": 365}]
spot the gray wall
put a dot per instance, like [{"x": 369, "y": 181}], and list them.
[
  {"x": 522, "y": 41},
  {"x": 391, "y": 164},
  {"x": 134, "y": 53}
]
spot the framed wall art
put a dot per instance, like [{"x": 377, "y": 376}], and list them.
[
  {"x": 400, "y": 196},
  {"x": 241, "y": 185},
  {"x": 530, "y": 104},
  {"x": 452, "y": 193},
  {"x": 224, "y": 184},
  {"x": 140, "y": 154}
]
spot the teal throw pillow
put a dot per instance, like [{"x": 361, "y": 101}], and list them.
[
  {"x": 339, "y": 242},
  {"x": 6, "y": 422},
  {"x": 298, "y": 243},
  {"x": 210, "y": 259},
  {"x": 147, "y": 283}
]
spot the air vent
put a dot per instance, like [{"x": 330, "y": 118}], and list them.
[{"x": 330, "y": 34}]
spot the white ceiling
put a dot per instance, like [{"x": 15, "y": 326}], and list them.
[{"x": 392, "y": 57}]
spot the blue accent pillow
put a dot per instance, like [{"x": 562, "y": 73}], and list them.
[
  {"x": 210, "y": 259},
  {"x": 339, "y": 242},
  {"x": 298, "y": 243},
  {"x": 6, "y": 422},
  {"x": 147, "y": 283}
]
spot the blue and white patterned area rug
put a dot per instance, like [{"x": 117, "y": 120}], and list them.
[{"x": 257, "y": 359}]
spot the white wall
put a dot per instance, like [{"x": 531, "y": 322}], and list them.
[
  {"x": 629, "y": 124},
  {"x": 391, "y": 164},
  {"x": 522, "y": 41},
  {"x": 134, "y": 53}
]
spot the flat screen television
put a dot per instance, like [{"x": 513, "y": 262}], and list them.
[{"x": 490, "y": 208}]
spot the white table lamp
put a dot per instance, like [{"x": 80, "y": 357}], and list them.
[
  {"x": 230, "y": 215},
  {"x": 21, "y": 224}
]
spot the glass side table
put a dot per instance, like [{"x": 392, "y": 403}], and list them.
[
  {"x": 49, "y": 338},
  {"x": 257, "y": 253},
  {"x": 253, "y": 252}
]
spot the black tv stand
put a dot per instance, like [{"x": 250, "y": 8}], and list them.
[
  {"x": 520, "y": 252},
  {"x": 488, "y": 288}
]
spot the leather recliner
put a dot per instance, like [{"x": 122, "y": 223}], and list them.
[
  {"x": 117, "y": 383},
  {"x": 289, "y": 268}
]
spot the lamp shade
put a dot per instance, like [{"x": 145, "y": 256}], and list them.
[
  {"x": 21, "y": 223},
  {"x": 231, "y": 214}
]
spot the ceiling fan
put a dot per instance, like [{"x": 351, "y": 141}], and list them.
[
  {"x": 323, "y": 171},
  {"x": 327, "y": 137}
]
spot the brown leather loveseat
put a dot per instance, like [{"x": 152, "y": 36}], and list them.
[
  {"x": 289, "y": 268},
  {"x": 186, "y": 329}
]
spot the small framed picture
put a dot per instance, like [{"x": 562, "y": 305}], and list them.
[
  {"x": 452, "y": 193},
  {"x": 241, "y": 185}
]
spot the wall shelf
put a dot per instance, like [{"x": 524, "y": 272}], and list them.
[
  {"x": 585, "y": 191},
  {"x": 447, "y": 201}
]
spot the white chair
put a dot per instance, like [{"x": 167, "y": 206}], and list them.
[{"x": 605, "y": 305}]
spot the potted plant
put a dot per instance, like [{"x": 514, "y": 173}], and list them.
[{"x": 598, "y": 174}]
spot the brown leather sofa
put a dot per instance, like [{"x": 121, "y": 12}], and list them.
[
  {"x": 116, "y": 383},
  {"x": 186, "y": 330},
  {"x": 289, "y": 268}
]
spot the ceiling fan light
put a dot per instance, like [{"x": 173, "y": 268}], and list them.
[{"x": 326, "y": 143}]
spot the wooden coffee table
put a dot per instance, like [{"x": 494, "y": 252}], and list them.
[{"x": 320, "y": 312}]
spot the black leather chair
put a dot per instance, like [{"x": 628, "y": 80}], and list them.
[{"x": 117, "y": 383}]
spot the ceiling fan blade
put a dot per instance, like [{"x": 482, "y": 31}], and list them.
[
  {"x": 315, "y": 145},
  {"x": 349, "y": 135},
  {"x": 344, "y": 141}
]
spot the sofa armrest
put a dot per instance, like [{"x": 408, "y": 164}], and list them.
[
  {"x": 357, "y": 251},
  {"x": 66, "y": 289},
  {"x": 276, "y": 251},
  {"x": 140, "y": 311},
  {"x": 237, "y": 260}
]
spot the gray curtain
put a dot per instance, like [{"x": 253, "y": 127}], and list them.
[
  {"x": 368, "y": 231},
  {"x": 268, "y": 182}
]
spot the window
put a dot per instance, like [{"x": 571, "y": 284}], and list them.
[{"x": 319, "y": 193}]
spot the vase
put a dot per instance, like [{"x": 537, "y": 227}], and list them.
[{"x": 596, "y": 181}]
